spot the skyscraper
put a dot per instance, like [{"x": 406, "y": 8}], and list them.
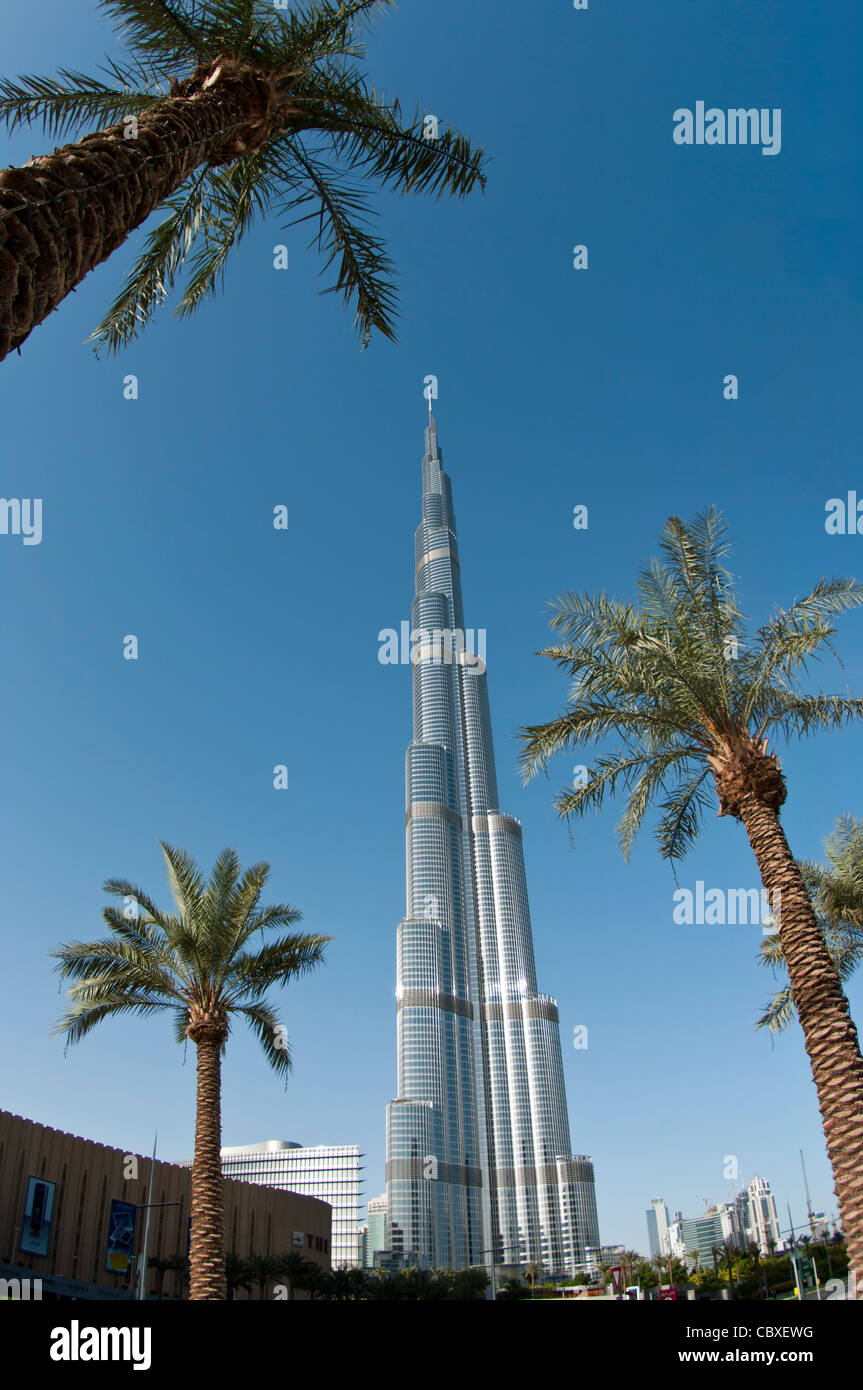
[
  {"x": 657, "y": 1228},
  {"x": 478, "y": 1148}
]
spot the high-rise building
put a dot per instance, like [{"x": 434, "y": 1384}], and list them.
[
  {"x": 376, "y": 1225},
  {"x": 330, "y": 1172},
  {"x": 763, "y": 1223},
  {"x": 479, "y": 1156},
  {"x": 657, "y": 1228},
  {"x": 718, "y": 1226}
]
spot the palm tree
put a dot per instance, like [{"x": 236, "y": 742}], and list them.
[
  {"x": 263, "y": 1271},
  {"x": 292, "y": 1267},
  {"x": 222, "y": 111},
  {"x": 238, "y": 1275},
  {"x": 162, "y": 1267},
  {"x": 693, "y": 702},
  {"x": 533, "y": 1270},
  {"x": 313, "y": 1281},
  {"x": 837, "y": 896},
  {"x": 200, "y": 963}
]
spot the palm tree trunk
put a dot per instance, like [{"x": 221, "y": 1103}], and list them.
[
  {"x": 207, "y": 1261},
  {"x": 62, "y": 214},
  {"x": 828, "y": 1029}
]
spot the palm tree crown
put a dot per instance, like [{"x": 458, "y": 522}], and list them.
[
  {"x": 223, "y": 111},
  {"x": 196, "y": 963},
  {"x": 690, "y": 699}
]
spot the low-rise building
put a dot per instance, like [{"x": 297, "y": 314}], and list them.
[{"x": 72, "y": 1215}]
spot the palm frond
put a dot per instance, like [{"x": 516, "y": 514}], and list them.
[
  {"x": 160, "y": 28},
  {"x": 273, "y": 1039},
  {"x": 252, "y": 973},
  {"x": 67, "y": 103},
  {"x": 152, "y": 277},
  {"x": 365, "y": 271}
]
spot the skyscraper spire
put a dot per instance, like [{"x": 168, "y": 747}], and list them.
[{"x": 478, "y": 1149}]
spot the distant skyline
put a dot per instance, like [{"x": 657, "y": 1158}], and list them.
[{"x": 259, "y": 648}]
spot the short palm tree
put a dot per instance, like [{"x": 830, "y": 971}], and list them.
[
  {"x": 292, "y": 1267},
  {"x": 222, "y": 111},
  {"x": 264, "y": 1270},
  {"x": 237, "y": 1274},
  {"x": 206, "y": 965},
  {"x": 314, "y": 1281},
  {"x": 692, "y": 702},
  {"x": 837, "y": 896},
  {"x": 162, "y": 1266}
]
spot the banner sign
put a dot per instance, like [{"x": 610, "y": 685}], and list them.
[
  {"x": 38, "y": 1210},
  {"x": 121, "y": 1237}
]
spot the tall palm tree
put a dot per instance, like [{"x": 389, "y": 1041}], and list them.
[
  {"x": 692, "y": 701},
  {"x": 205, "y": 964},
  {"x": 222, "y": 111},
  {"x": 837, "y": 896}
]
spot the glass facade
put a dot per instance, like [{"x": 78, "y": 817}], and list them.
[
  {"x": 478, "y": 1148},
  {"x": 330, "y": 1172}
]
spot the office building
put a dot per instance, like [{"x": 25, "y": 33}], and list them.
[{"x": 328, "y": 1172}]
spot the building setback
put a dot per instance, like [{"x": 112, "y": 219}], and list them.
[
  {"x": 479, "y": 1155},
  {"x": 72, "y": 1215}
]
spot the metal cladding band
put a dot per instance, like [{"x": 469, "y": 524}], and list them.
[
  {"x": 415, "y": 1170},
  {"x": 479, "y": 1155},
  {"x": 522, "y": 1008},
  {"x": 425, "y": 809},
  {"x": 494, "y": 823},
  {"x": 442, "y": 552},
  {"x": 426, "y": 998}
]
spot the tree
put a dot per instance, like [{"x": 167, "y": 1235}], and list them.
[
  {"x": 837, "y": 897},
  {"x": 238, "y": 1274},
  {"x": 292, "y": 1267},
  {"x": 221, "y": 112},
  {"x": 161, "y": 1266},
  {"x": 203, "y": 964},
  {"x": 264, "y": 1270},
  {"x": 512, "y": 1291},
  {"x": 313, "y": 1281},
  {"x": 693, "y": 701},
  {"x": 469, "y": 1284}
]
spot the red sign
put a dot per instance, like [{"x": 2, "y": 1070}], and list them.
[
  {"x": 668, "y": 1293},
  {"x": 616, "y": 1278}
]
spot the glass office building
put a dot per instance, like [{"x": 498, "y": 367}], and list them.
[
  {"x": 478, "y": 1148},
  {"x": 330, "y": 1172}
]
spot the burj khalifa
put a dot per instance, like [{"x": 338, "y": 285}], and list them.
[{"x": 480, "y": 1168}]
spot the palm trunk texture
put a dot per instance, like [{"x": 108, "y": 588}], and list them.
[
  {"x": 64, "y": 213},
  {"x": 828, "y": 1029},
  {"x": 207, "y": 1261}
]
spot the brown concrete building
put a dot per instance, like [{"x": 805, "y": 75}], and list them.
[{"x": 72, "y": 1215}]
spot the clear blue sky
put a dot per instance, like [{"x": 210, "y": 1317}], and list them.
[{"x": 259, "y": 647}]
